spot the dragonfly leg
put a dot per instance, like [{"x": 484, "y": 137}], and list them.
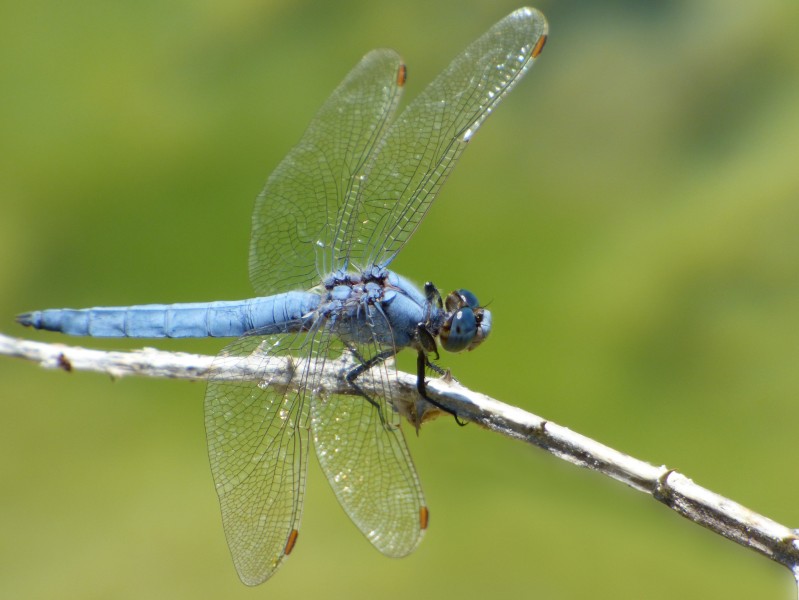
[
  {"x": 365, "y": 365},
  {"x": 440, "y": 370},
  {"x": 427, "y": 343},
  {"x": 433, "y": 295},
  {"x": 422, "y": 362}
]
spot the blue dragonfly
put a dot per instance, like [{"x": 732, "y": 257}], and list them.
[{"x": 333, "y": 215}]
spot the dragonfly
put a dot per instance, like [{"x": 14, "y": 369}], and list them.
[{"x": 332, "y": 217}]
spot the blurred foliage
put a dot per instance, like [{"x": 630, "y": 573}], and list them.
[{"x": 631, "y": 213}]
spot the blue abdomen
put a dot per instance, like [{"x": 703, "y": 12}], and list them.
[{"x": 272, "y": 314}]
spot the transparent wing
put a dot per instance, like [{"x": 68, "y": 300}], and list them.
[
  {"x": 258, "y": 448},
  {"x": 423, "y": 145},
  {"x": 299, "y": 212},
  {"x": 366, "y": 460}
]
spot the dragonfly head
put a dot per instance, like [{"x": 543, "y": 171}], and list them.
[{"x": 467, "y": 323}]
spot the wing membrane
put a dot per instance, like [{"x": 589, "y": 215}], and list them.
[
  {"x": 363, "y": 453},
  {"x": 423, "y": 145},
  {"x": 297, "y": 216},
  {"x": 258, "y": 448}
]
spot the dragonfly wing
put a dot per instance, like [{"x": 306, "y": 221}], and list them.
[
  {"x": 367, "y": 463},
  {"x": 306, "y": 198},
  {"x": 257, "y": 429},
  {"x": 423, "y": 145}
]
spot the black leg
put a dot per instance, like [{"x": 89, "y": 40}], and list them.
[
  {"x": 434, "y": 367},
  {"x": 432, "y": 294},
  {"x": 365, "y": 366},
  {"x": 426, "y": 340},
  {"x": 421, "y": 363}
]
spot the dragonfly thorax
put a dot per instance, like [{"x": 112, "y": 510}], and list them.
[{"x": 355, "y": 304}]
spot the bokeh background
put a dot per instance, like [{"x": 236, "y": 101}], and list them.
[{"x": 631, "y": 212}]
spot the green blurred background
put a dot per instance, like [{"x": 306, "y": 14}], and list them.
[{"x": 631, "y": 212}]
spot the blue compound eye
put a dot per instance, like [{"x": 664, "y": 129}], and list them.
[
  {"x": 459, "y": 330},
  {"x": 469, "y": 298},
  {"x": 460, "y": 299}
]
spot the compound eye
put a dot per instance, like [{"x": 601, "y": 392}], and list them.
[
  {"x": 468, "y": 298},
  {"x": 460, "y": 299},
  {"x": 459, "y": 330}
]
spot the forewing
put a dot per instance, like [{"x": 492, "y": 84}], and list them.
[
  {"x": 423, "y": 145},
  {"x": 258, "y": 444},
  {"x": 367, "y": 463},
  {"x": 309, "y": 194}
]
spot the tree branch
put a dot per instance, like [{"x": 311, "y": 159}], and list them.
[{"x": 675, "y": 490}]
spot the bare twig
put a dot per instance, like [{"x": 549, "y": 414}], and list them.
[{"x": 678, "y": 492}]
